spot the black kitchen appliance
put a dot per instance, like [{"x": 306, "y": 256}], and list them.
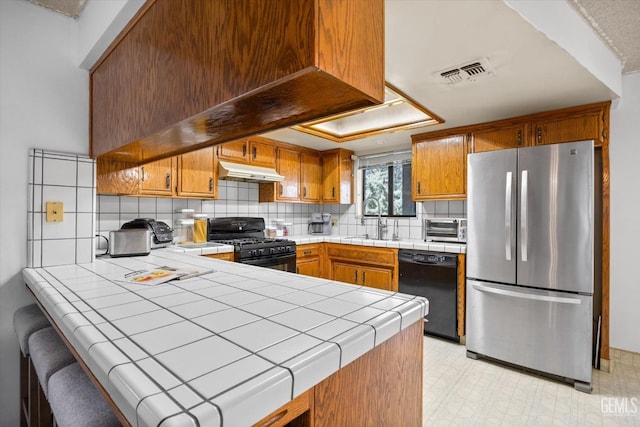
[
  {"x": 161, "y": 233},
  {"x": 246, "y": 234},
  {"x": 432, "y": 275}
]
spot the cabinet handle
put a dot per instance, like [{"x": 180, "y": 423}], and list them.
[
  {"x": 306, "y": 252},
  {"x": 255, "y": 152},
  {"x": 244, "y": 150},
  {"x": 364, "y": 277},
  {"x": 520, "y": 137},
  {"x": 143, "y": 174},
  {"x": 355, "y": 276},
  {"x": 604, "y": 134},
  {"x": 418, "y": 187},
  {"x": 297, "y": 269},
  {"x": 167, "y": 180},
  {"x": 210, "y": 184},
  {"x": 304, "y": 191},
  {"x": 281, "y": 189},
  {"x": 539, "y": 134},
  {"x": 333, "y": 192}
]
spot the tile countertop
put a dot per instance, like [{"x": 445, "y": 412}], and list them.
[
  {"x": 402, "y": 244},
  {"x": 234, "y": 344}
]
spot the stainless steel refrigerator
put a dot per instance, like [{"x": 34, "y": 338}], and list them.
[{"x": 530, "y": 258}]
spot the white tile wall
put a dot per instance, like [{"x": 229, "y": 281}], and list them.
[
  {"x": 66, "y": 178},
  {"x": 241, "y": 199}
]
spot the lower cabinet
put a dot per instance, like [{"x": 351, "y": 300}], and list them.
[
  {"x": 227, "y": 256},
  {"x": 363, "y": 265},
  {"x": 309, "y": 259}
]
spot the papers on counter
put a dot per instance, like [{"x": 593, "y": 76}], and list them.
[{"x": 163, "y": 274}]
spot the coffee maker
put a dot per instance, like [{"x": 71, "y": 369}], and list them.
[{"x": 320, "y": 223}]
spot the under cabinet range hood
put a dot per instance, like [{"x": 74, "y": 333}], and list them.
[{"x": 241, "y": 172}]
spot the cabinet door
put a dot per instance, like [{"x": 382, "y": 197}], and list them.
[
  {"x": 311, "y": 177},
  {"x": 345, "y": 272},
  {"x": 577, "y": 128},
  {"x": 309, "y": 267},
  {"x": 439, "y": 168},
  {"x": 375, "y": 277},
  {"x": 330, "y": 178},
  {"x": 289, "y": 167},
  {"x": 157, "y": 178},
  {"x": 236, "y": 151},
  {"x": 262, "y": 154},
  {"x": 197, "y": 174},
  {"x": 498, "y": 139}
]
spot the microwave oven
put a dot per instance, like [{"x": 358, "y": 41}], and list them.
[{"x": 445, "y": 230}]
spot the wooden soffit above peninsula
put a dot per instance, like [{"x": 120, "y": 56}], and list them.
[{"x": 185, "y": 74}]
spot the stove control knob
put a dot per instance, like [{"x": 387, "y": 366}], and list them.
[
  {"x": 272, "y": 250},
  {"x": 260, "y": 251}
]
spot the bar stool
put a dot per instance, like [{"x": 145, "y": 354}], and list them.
[
  {"x": 76, "y": 402},
  {"x": 26, "y": 321},
  {"x": 48, "y": 355}
]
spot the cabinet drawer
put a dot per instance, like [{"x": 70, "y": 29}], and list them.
[
  {"x": 363, "y": 254},
  {"x": 304, "y": 251},
  {"x": 226, "y": 256},
  {"x": 286, "y": 413}
]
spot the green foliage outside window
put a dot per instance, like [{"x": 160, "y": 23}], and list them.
[{"x": 391, "y": 186}]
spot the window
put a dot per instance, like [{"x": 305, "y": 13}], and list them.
[{"x": 390, "y": 186}]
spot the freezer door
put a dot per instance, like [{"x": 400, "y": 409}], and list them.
[
  {"x": 555, "y": 220},
  {"x": 547, "y": 331},
  {"x": 491, "y": 213}
]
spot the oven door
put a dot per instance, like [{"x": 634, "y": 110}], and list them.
[{"x": 283, "y": 262}]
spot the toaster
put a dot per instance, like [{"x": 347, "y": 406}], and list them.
[
  {"x": 130, "y": 242},
  {"x": 161, "y": 233}
]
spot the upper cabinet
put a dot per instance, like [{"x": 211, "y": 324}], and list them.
[
  {"x": 573, "y": 125},
  {"x": 499, "y": 139},
  {"x": 310, "y": 177},
  {"x": 197, "y": 174},
  {"x": 253, "y": 151},
  {"x": 337, "y": 176},
  {"x": 189, "y": 175},
  {"x": 158, "y": 178},
  {"x": 224, "y": 70},
  {"x": 439, "y": 167},
  {"x": 288, "y": 165}
]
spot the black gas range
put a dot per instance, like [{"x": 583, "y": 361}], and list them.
[{"x": 246, "y": 235}]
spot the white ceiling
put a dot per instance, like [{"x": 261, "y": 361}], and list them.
[{"x": 531, "y": 72}]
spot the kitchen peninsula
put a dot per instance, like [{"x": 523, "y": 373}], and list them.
[{"x": 239, "y": 344}]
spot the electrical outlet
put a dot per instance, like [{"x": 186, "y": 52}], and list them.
[
  {"x": 54, "y": 212},
  {"x": 334, "y": 222}
]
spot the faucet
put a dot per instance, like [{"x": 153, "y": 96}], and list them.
[{"x": 381, "y": 227}]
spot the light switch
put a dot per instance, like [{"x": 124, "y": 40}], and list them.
[{"x": 54, "y": 211}]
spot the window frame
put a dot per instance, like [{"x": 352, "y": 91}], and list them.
[{"x": 390, "y": 200}]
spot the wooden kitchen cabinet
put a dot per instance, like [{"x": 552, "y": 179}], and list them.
[
  {"x": 197, "y": 174},
  {"x": 499, "y": 139},
  {"x": 363, "y": 265},
  {"x": 158, "y": 178},
  {"x": 253, "y": 151},
  {"x": 309, "y": 259},
  {"x": 225, "y": 256},
  {"x": 337, "y": 176},
  {"x": 288, "y": 165},
  {"x": 571, "y": 126},
  {"x": 310, "y": 177},
  {"x": 439, "y": 167}
]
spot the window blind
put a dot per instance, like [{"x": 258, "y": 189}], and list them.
[{"x": 384, "y": 159}]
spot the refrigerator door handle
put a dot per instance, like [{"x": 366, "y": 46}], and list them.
[
  {"x": 524, "y": 229},
  {"x": 524, "y": 295},
  {"x": 507, "y": 216}
]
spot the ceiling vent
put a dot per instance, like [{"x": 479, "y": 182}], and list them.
[{"x": 466, "y": 73}]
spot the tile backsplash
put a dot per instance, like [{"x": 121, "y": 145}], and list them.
[
  {"x": 241, "y": 199},
  {"x": 66, "y": 178}
]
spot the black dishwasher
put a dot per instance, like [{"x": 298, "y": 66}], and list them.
[{"x": 433, "y": 275}]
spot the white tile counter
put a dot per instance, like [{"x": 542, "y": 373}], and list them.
[
  {"x": 401, "y": 244},
  {"x": 226, "y": 348}
]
